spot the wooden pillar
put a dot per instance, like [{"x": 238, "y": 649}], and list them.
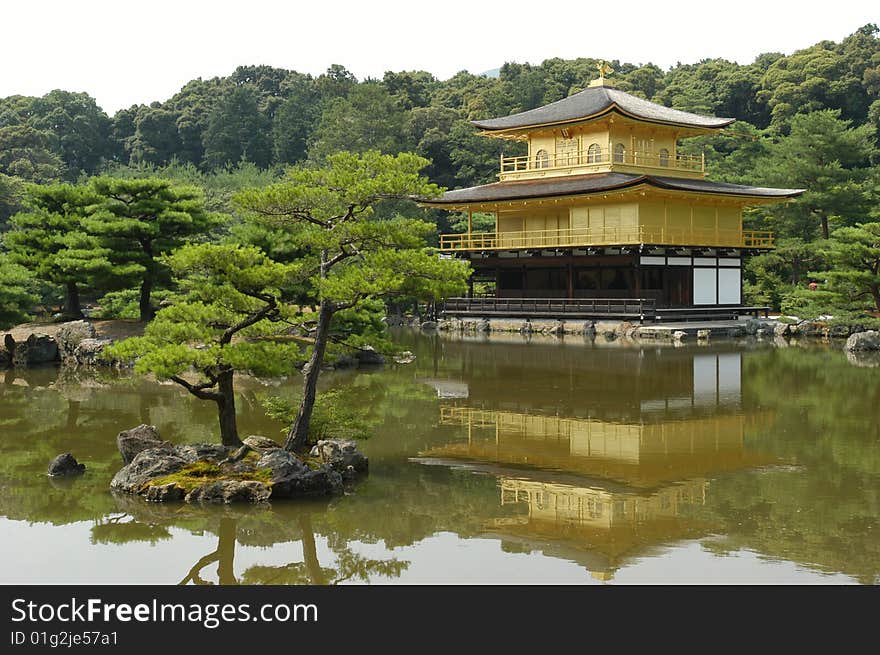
[
  {"x": 638, "y": 277},
  {"x": 570, "y": 280}
]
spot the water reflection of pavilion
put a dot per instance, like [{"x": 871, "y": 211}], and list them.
[{"x": 600, "y": 490}]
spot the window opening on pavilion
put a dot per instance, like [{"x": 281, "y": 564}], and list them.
[
  {"x": 663, "y": 157},
  {"x": 594, "y": 153},
  {"x": 619, "y": 153},
  {"x": 542, "y": 159}
]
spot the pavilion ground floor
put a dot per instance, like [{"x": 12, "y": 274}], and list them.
[{"x": 604, "y": 282}]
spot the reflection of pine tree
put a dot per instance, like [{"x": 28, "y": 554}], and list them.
[
  {"x": 349, "y": 565},
  {"x": 224, "y": 555}
]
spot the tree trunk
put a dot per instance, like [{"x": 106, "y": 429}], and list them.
[
  {"x": 226, "y": 552},
  {"x": 226, "y": 410},
  {"x": 824, "y": 226},
  {"x": 71, "y": 301},
  {"x": 146, "y": 308},
  {"x": 298, "y": 436},
  {"x": 875, "y": 293},
  {"x": 310, "y": 551}
]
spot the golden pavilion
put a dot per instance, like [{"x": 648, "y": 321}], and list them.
[{"x": 605, "y": 215}]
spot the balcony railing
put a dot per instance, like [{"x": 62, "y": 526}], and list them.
[
  {"x": 574, "y": 308},
  {"x": 600, "y": 159},
  {"x": 609, "y": 236}
]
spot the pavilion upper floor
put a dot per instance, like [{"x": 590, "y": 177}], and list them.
[
  {"x": 611, "y": 209},
  {"x": 601, "y": 129},
  {"x": 611, "y": 144}
]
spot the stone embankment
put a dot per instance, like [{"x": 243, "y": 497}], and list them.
[
  {"x": 257, "y": 472},
  {"x": 73, "y": 343},
  {"x": 609, "y": 329}
]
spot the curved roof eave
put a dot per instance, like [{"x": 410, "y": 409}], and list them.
[
  {"x": 598, "y": 183},
  {"x": 597, "y": 101}
]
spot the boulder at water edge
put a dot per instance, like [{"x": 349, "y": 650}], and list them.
[
  {"x": 65, "y": 464},
  {"x": 131, "y": 442},
  {"x": 869, "y": 340}
]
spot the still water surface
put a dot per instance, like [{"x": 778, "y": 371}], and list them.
[{"x": 493, "y": 461}]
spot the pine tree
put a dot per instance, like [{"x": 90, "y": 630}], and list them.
[
  {"x": 139, "y": 220},
  {"x": 222, "y": 323},
  {"x": 350, "y": 259},
  {"x": 49, "y": 239}
]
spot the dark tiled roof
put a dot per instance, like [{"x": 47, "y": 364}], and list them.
[
  {"x": 597, "y": 100},
  {"x": 596, "y": 183}
]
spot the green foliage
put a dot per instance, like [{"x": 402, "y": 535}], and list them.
[
  {"x": 123, "y": 304},
  {"x": 156, "y": 140},
  {"x": 337, "y": 414},
  {"x": 11, "y": 196},
  {"x": 237, "y": 131},
  {"x": 480, "y": 222},
  {"x": 853, "y": 276},
  {"x": 50, "y": 239},
  {"x": 841, "y": 76},
  {"x": 26, "y": 153},
  {"x": 829, "y": 158},
  {"x": 224, "y": 291},
  {"x": 16, "y": 293},
  {"x": 369, "y": 118},
  {"x": 808, "y": 304},
  {"x": 327, "y": 211},
  {"x": 139, "y": 220}
]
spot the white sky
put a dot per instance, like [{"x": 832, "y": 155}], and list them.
[{"x": 124, "y": 52}]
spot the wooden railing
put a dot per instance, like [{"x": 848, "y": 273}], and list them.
[
  {"x": 609, "y": 236},
  {"x": 601, "y": 158},
  {"x": 641, "y": 308}
]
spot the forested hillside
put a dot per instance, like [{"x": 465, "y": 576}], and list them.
[{"x": 807, "y": 119}]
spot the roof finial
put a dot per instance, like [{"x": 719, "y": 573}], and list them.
[{"x": 604, "y": 69}]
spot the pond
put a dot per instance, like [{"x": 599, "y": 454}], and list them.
[{"x": 493, "y": 460}]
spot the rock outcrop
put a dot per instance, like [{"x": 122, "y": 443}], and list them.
[
  {"x": 147, "y": 465},
  {"x": 861, "y": 341},
  {"x": 65, "y": 464},
  {"x": 133, "y": 441},
  {"x": 37, "y": 349},
  {"x": 230, "y": 491},
  {"x": 211, "y": 473},
  {"x": 69, "y": 337},
  {"x": 341, "y": 455}
]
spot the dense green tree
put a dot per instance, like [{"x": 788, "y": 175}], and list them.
[
  {"x": 828, "y": 157},
  {"x": 123, "y": 126},
  {"x": 428, "y": 128},
  {"x": 16, "y": 293},
  {"x": 853, "y": 257},
  {"x": 336, "y": 82},
  {"x": 49, "y": 239},
  {"x": 26, "y": 153},
  {"x": 369, "y": 118},
  {"x": 349, "y": 258},
  {"x": 237, "y": 131},
  {"x": 824, "y": 76},
  {"x": 411, "y": 88},
  {"x": 140, "y": 220},
  {"x": 155, "y": 140},
  {"x": 295, "y": 119},
  {"x": 81, "y": 128},
  {"x": 11, "y": 195},
  {"x": 230, "y": 303}
]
